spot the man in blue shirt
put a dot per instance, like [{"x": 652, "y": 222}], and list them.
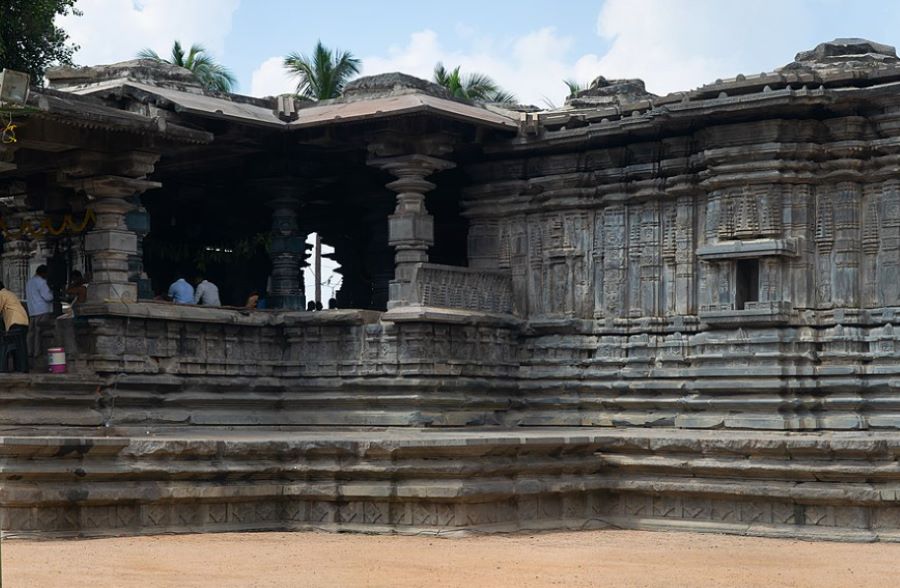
[
  {"x": 181, "y": 292},
  {"x": 39, "y": 299}
]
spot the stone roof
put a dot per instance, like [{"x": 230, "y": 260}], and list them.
[
  {"x": 849, "y": 53},
  {"x": 833, "y": 69},
  {"x": 168, "y": 86},
  {"x": 146, "y": 71},
  {"x": 848, "y": 65},
  {"x": 603, "y": 92},
  {"x": 392, "y": 84}
]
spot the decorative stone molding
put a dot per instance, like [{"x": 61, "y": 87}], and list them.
[
  {"x": 748, "y": 249},
  {"x": 754, "y": 314},
  {"x": 460, "y": 287}
]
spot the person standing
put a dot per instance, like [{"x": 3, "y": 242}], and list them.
[
  {"x": 206, "y": 293},
  {"x": 40, "y": 309},
  {"x": 180, "y": 292},
  {"x": 15, "y": 321}
]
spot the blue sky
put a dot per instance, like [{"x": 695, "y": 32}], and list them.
[{"x": 528, "y": 46}]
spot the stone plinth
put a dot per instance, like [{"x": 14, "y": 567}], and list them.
[{"x": 423, "y": 481}]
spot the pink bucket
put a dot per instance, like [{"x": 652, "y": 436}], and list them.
[{"x": 56, "y": 360}]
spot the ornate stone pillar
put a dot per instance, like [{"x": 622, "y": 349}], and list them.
[
  {"x": 410, "y": 228},
  {"x": 111, "y": 243},
  {"x": 138, "y": 221},
  {"x": 287, "y": 252},
  {"x": 18, "y": 252}
]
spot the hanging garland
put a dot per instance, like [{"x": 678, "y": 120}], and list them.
[{"x": 45, "y": 227}]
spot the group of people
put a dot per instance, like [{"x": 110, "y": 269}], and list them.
[
  {"x": 205, "y": 293},
  {"x": 25, "y": 327},
  {"x": 201, "y": 292}
]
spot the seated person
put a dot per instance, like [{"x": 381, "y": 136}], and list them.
[
  {"x": 252, "y": 300},
  {"x": 180, "y": 292},
  {"x": 207, "y": 293},
  {"x": 77, "y": 290}
]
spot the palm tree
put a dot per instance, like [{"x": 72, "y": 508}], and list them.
[
  {"x": 574, "y": 87},
  {"x": 475, "y": 86},
  {"x": 323, "y": 74},
  {"x": 211, "y": 75}
]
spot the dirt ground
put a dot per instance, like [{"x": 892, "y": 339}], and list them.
[{"x": 591, "y": 558}]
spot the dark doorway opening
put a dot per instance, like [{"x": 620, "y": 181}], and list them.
[{"x": 746, "y": 283}]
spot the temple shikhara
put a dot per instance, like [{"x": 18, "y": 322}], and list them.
[{"x": 636, "y": 311}]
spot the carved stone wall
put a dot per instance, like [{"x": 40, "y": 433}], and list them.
[
  {"x": 613, "y": 235},
  {"x": 463, "y": 288}
]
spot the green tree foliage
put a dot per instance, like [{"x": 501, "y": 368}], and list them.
[
  {"x": 574, "y": 87},
  {"x": 29, "y": 39},
  {"x": 475, "y": 86},
  {"x": 211, "y": 75},
  {"x": 323, "y": 74}
]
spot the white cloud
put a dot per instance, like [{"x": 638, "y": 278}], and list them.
[
  {"x": 271, "y": 79},
  {"x": 115, "y": 30},
  {"x": 681, "y": 45},
  {"x": 532, "y": 66},
  {"x": 671, "y": 45}
]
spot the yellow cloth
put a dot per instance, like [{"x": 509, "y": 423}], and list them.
[{"x": 12, "y": 310}]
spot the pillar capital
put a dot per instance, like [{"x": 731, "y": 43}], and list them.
[
  {"x": 110, "y": 186},
  {"x": 411, "y": 166},
  {"x": 84, "y": 163}
]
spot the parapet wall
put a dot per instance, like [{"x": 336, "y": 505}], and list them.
[
  {"x": 419, "y": 366},
  {"x": 191, "y": 365}
]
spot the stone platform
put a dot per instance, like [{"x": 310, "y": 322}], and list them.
[{"x": 100, "y": 482}]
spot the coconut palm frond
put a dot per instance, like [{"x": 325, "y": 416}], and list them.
[
  {"x": 211, "y": 74},
  {"x": 574, "y": 87},
  {"x": 477, "y": 87},
  {"x": 323, "y": 74}
]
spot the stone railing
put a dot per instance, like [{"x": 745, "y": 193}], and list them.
[{"x": 448, "y": 286}]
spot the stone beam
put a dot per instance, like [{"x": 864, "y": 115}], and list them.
[{"x": 410, "y": 227}]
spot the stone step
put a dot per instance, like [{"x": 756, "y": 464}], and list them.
[{"x": 841, "y": 485}]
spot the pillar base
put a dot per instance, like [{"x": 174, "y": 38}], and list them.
[
  {"x": 110, "y": 292},
  {"x": 288, "y": 302}
]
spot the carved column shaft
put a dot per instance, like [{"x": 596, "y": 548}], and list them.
[
  {"x": 138, "y": 221},
  {"x": 19, "y": 254},
  {"x": 410, "y": 227},
  {"x": 111, "y": 243},
  {"x": 287, "y": 253}
]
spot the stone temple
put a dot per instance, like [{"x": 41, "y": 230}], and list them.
[{"x": 655, "y": 312}]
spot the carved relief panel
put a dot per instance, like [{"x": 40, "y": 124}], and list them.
[
  {"x": 614, "y": 260},
  {"x": 888, "y": 273}
]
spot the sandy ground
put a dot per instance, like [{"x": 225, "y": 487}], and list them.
[{"x": 590, "y": 558}]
